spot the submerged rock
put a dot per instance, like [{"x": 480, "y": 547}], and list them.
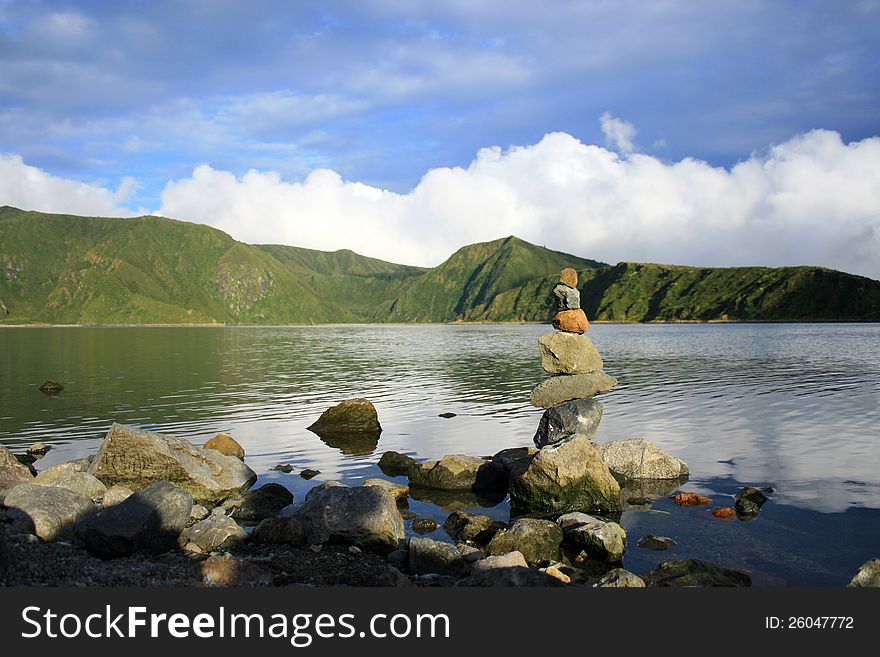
[
  {"x": 537, "y": 540},
  {"x": 51, "y": 387},
  {"x": 137, "y": 458},
  {"x": 575, "y": 417},
  {"x": 309, "y": 473},
  {"x": 568, "y": 353},
  {"x": 150, "y": 521},
  {"x": 651, "y": 542},
  {"x": 350, "y": 416},
  {"x": 567, "y": 476},
  {"x": 694, "y": 572},
  {"x": 557, "y": 389},
  {"x": 429, "y": 556},
  {"x": 600, "y": 539},
  {"x": 752, "y": 495},
  {"x": 868, "y": 575},
  {"x": 46, "y": 511},
  {"x": 620, "y": 578},
  {"x": 366, "y": 517},
  {"x": 395, "y": 464},
  {"x": 641, "y": 459},
  {"x": 424, "y": 525},
  {"x": 259, "y": 503},
  {"x": 226, "y": 445},
  {"x": 12, "y": 473}
]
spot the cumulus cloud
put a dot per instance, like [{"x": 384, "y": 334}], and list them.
[
  {"x": 811, "y": 200},
  {"x": 31, "y": 188},
  {"x": 619, "y": 134}
]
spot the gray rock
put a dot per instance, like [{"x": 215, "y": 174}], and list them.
[
  {"x": 602, "y": 540},
  {"x": 424, "y": 525},
  {"x": 564, "y": 387},
  {"x": 429, "y": 556},
  {"x": 868, "y": 575},
  {"x": 578, "y": 416},
  {"x": 149, "y": 521},
  {"x": 279, "y": 530},
  {"x": 366, "y": 517},
  {"x": 651, "y": 542},
  {"x": 537, "y": 540},
  {"x": 399, "y": 491},
  {"x": 395, "y": 464},
  {"x": 693, "y": 572},
  {"x": 116, "y": 494},
  {"x": 12, "y": 473},
  {"x": 508, "y": 560},
  {"x": 641, "y": 459},
  {"x": 567, "y": 298},
  {"x": 214, "y": 533},
  {"x": 137, "y": 458},
  {"x": 320, "y": 488},
  {"x": 198, "y": 512},
  {"x": 567, "y": 476},
  {"x": 52, "y": 475},
  {"x": 620, "y": 578},
  {"x": 516, "y": 576},
  {"x": 568, "y": 353},
  {"x": 455, "y": 472},
  {"x": 83, "y": 484},
  {"x": 471, "y": 527},
  {"x": 259, "y": 503},
  {"x": 468, "y": 552},
  {"x": 46, "y": 511},
  {"x": 350, "y": 416}
]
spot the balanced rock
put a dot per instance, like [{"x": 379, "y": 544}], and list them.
[
  {"x": 149, "y": 521},
  {"x": 568, "y": 353},
  {"x": 868, "y": 575},
  {"x": 366, "y": 517},
  {"x": 600, "y": 539},
  {"x": 137, "y": 458},
  {"x": 566, "y": 476},
  {"x": 575, "y": 417},
  {"x": 83, "y": 484},
  {"x": 557, "y": 389},
  {"x": 48, "y": 512},
  {"x": 571, "y": 321},
  {"x": 456, "y": 472},
  {"x": 259, "y": 503},
  {"x": 693, "y": 572},
  {"x": 471, "y": 527},
  {"x": 53, "y": 474},
  {"x": 350, "y": 416},
  {"x": 429, "y": 556},
  {"x": 215, "y": 532},
  {"x": 569, "y": 277},
  {"x": 641, "y": 459},
  {"x": 12, "y": 473},
  {"x": 567, "y": 298},
  {"x": 620, "y": 578},
  {"x": 537, "y": 540},
  {"x": 226, "y": 445}
]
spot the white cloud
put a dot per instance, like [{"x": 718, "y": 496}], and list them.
[
  {"x": 619, "y": 134},
  {"x": 810, "y": 200},
  {"x": 31, "y": 188}
]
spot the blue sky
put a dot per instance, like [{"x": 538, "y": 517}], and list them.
[{"x": 129, "y": 98}]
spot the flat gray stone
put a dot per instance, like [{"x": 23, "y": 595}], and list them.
[
  {"x": 564, "y": 387},
  {"x": 568, "y": 353}
]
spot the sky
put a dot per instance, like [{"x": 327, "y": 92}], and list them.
[{"x": 707, "y": 133}]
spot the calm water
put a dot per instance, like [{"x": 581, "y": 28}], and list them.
[{"x": 796, "y": 407}]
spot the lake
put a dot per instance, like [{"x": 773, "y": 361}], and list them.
[{"x": 792, "y": 406}]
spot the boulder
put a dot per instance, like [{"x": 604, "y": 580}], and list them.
[
  {"x": 600, "y": 539},
  {"x": 620, "y": 578},
  {"x": 694, "y": 572},
  {"x": 220, "y": 570},
  {"x": 366, "y": 517},
  {"x": 424, "y": 525},
  {"x": 279, "y": 530},
  {"x": 429, "y": 556},
  {"x": 350, "y": 416},
  {"x": 566, "y": 476},
  {"x": 508, "y": 560},
  {"x": 569, "y": 277},
  {"x": 557, "y": 389},
  {"x": 215, "y": 532},
  {"x": 568, "y": 353},
  {"x": 641, "y": 459},
  {"x": 226, "y": 445},
  {"x": 868, "y": 575},
  {"x": 516, "y": 576},
  {"x": 471, "y": 527},
  {"x": 456, "y": 472},
  {"x": 571, "y": 321},
  {"x": 537, "y": 540},
  {"x": 83, "y": 484},
  {"x": 259, "y": 503},
  {"x": 51, "y": 475},
  {"x": 567, "y": 298},
  {"x": 149, "y": 521},
  {"x": 399, "y": 491},
  {"x": 651, "y": 542},
  {"x": 12, "y": 473},
  {"x": 136, "y": 458},
  {"x": 320, "y": 488},
  {"x": 46, "y": 511},
  {"x": 116, "y": 494},
  {"x": 51, "y": 387},
  {"x": 395, "y": 464},
  {"x": 578, "y": 416}
]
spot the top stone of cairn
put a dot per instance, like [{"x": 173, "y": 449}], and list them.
[{"x": 569, "y": 277}]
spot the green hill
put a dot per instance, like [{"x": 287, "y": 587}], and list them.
[{"x": 151, "y": 270}]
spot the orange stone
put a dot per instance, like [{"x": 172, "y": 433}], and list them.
[
  {"x": 571, "y": 321},
  {"x": 724, "y": 512},
  {"x": 690, "y": 499},
  {"x": 569, "y": 277},
  {"x": 226, "y": 445}
]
